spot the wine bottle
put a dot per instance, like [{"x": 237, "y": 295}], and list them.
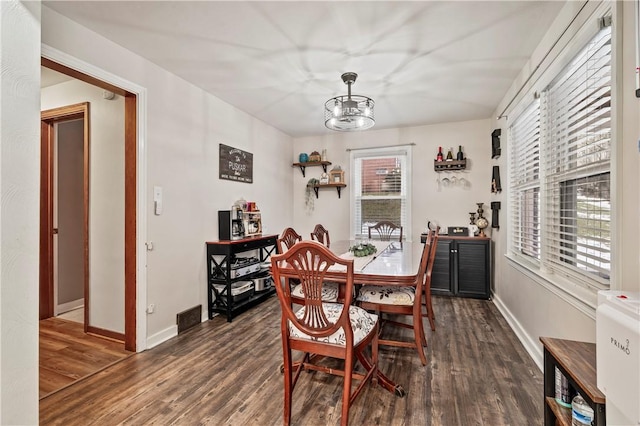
[
  {"x": 450, "y": 155},
  {"x": 460, "y": 155},
  {"x": 439, "y": 157}
]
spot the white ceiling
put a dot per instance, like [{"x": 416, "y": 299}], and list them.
[{"x": 423, "y": 62}]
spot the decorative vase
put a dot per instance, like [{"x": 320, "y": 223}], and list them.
[{"x": 303, "y": 158}]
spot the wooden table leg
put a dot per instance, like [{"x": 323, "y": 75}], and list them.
[{"x": 383, "y": 380}]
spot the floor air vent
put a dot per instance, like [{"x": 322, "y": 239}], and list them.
[{"x": 189, "y": 318}]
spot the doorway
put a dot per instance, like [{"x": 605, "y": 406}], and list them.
[
  {"x": 130, "y": 214},
  {"x": 64, "y": 214}
]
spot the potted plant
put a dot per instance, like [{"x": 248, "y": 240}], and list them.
[{"x": 309, "y": 194}]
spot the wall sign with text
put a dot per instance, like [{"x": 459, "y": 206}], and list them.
[{"x": 236, "y": 164}]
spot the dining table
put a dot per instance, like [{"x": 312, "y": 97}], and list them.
[{"x": 393, "y": 263}]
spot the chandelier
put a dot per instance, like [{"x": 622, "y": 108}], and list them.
[{"x": 351, "y": 112}]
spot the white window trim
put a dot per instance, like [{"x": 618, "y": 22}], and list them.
[{"x": 376, "y": 152}]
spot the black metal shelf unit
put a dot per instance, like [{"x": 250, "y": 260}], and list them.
[{"x": 220, "y": 257}]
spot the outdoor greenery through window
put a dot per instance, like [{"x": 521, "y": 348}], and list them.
[
  {"x": 380, "y": 188},
  {"x": 560, "y": 170}
]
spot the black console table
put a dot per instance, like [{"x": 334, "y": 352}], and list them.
[
  {"x": 220, "y": 258},
  {"x": 462, "y": 267}
]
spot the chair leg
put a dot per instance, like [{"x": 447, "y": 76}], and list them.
[
  {"x": 418, "y": 332},
  {"x": 288, "y": 390},
  {"x": 429, "y": 311},
  {"x": 346, "y": 390}
]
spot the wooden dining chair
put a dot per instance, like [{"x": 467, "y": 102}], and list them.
[
  {"x": 287, "y": 240},
  {"x": 321, "y": 235},
  {"x": 385, "y": 230},
  {"x": 403, "y": 300},
  {"x": 335, "y": 330},
  {"x": 426, "y": 289}
]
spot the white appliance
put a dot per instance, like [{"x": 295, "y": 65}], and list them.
[{"x": 618, "y": 355}]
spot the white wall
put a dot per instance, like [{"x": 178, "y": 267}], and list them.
[
  {"x": 106, "y": 198},
  {"x": 532, "y": 306},
  {"x": 184, "y": 127},
  {"x": 446, "y": 206},
  {"x": 19, "y": 214}
]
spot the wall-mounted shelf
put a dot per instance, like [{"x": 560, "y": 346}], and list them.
[
  {"x": 451, "y": 165},
  {"x": 337, "y": 186},
  {"x": 303, "y": 166}
]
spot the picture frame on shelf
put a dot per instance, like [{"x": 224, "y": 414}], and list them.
[{"x": 336, "y": 176}]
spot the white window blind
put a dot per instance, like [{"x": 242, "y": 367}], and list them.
[
  {"x": 560, "y": 170},
  {"x": 381, "y": 189},
  {"x": 525, "y": 181},
  {"x": 577, "y": 109}
]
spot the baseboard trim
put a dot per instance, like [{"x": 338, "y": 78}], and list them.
[
  {"x": 530, "y": 344},
  {"x": 162, "y": 336},
  {"x": 106, "y": 333},
  {"x": 69, "y": 306}
]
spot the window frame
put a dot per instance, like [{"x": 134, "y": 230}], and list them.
[
  {"x": 566, "y": 284},
  {"x": 356, "y": 186}
]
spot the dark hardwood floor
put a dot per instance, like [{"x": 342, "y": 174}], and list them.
[
  {"x": 228, "y": 373},
  {"x": 67, "y": 354}
]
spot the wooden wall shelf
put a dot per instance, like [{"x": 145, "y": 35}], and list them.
[
  {"x": 448, "y": 166},
  {"x": 337, "y": 186},
  {"x": 303, "y": 166}
]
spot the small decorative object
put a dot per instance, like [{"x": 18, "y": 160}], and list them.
[
  {"x": 496, "y": 186},
  {"x": 363, "y": 249},
  {"x": 324, "y": 179},
  {"x": 314, "y": 156},
  {"x": 336, "y": 175},
  {"x": 495, "y": 143},
  {"x": 495, "y": 209},
  {"x": 481, "y": 221},
  {"x": 472, "y": 218},
  {"x": 303, "y": 158},
  {"x": 324, "y": 155}
]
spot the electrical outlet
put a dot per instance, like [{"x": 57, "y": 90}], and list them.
[{"x": 151, "y": 308}]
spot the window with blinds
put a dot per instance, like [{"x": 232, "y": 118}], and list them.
[
  {"x": 560, "y": 169},
  {"x": 381, "y": 189},
  {"x": 525, "y": 181},
  {"x": 577, "y": 110}
]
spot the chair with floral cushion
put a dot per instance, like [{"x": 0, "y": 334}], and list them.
[
  {"x": 335, "y": 330},
  {"x": 287, "y": 240},
  {"x": 426, "y": 289},
  {"x": 403, "y": 300},
  {"x": 386, "y": 230},
  {"x": 321, "y": 235}
]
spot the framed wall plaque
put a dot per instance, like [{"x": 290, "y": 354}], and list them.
[{"x": 236, "y": 164}]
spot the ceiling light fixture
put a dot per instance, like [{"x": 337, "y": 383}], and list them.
[{"x": 351, "y": 112}]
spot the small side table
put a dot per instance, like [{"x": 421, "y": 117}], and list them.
[{"x": 577, "y": 361}]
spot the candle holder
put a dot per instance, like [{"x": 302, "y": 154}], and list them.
[
  {"x": 481, "y": 221},
  {"x": 472, "y": 218}
]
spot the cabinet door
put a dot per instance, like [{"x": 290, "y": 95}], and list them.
[
  {"x": 473, "y": 268},
  {"x": 441, "y": 277}
]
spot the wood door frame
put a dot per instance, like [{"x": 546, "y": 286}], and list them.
[
  {"x": 130, "y": 193},
  {"x": 48, "y": 119}
]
